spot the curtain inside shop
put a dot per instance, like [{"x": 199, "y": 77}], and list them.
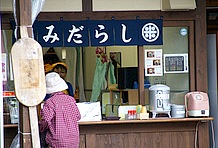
[
  {"x": 99, "y": 78},
  {"x": 70, "y": 61},
  {"x": 104, "y": 74},
  {"x": 75, "y": 67},
  {"x": 79, "y": 75}
]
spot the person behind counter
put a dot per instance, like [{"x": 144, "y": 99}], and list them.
[
  {"x": 61, "y": 69},
  {"x": 59, "y": 115}
]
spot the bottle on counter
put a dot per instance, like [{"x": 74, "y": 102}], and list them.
[
  {"x": 143, "y": 110},
  {"x": 131, "y": 115}
]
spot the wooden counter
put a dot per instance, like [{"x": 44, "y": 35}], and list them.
[{"x": 151, "y": 133}]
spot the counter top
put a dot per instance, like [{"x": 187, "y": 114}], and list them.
[
  {"x": 150, "y": 120},
  {"x": 134, "y": 121},
  {"x": 10, "y": 125}
]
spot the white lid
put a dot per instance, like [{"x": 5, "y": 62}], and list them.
[
  {"x": 178, "y": 106},
  {"x": 158, "y": 87}
]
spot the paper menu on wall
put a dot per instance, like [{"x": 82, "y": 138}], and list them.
[
  {"x": 176, "y": 63},
  {"x": 153, "y": 62},
  {"x": 4, "y": 68}
]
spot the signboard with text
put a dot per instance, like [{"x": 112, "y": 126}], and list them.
[{"x": 98, "y": 33}]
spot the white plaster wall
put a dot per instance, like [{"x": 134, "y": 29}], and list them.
[
  {"x": 62, "y": 5},
  {"x": 49, "y": 6},
  {"x": 129, "y": 55},
  {"x": 98, "y": 5},
  {"x": 121, "y": 5},
  {"x": 6, "y": 5},
  {"x": 109, "y": 5}
]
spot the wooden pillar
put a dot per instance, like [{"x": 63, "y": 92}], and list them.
[
  {"x": 141, "y": 74},
  {"x": 87, "y": 5},
  {"x": 201, "y": 47},
  {"x": 24, "y": 18}
]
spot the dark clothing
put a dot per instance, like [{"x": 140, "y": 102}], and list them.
[{"x": 70, "y": 89}]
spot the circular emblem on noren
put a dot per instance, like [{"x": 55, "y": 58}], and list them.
[{"x": 150, "y": 32}]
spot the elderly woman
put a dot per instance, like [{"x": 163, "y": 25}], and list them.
[{"x": 59, "y": 115}]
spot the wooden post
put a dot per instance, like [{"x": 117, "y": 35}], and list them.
[
  {"x": 141, "y": 74},
  {"x": 24, "y": 18}
]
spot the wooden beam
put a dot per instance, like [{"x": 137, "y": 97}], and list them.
[
  {"x": 211, "y": 3},
  {"x": 141, "y": 74},
  {"x": 87, "y": 5},
  {"x": 23, "y": 14},
  {"x": 122, "y": 15},
  {"x": 201, "y": 47},
  {"x": 75, "y": 16}
]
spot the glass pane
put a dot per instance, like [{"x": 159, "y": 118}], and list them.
[
  {"x": 10, "y": 103},
  {"x": 175, "y": 41}
]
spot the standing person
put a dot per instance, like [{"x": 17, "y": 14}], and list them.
[
  {"x": 61, "y": 69},
  {"x": 59, "y": 115}
]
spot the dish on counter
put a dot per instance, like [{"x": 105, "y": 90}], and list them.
[{"x": 112, "y": 118}]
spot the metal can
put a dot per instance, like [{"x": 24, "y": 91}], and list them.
[
  {"x": 159, "y": 97},
  {"x": 177, "y": 111}
]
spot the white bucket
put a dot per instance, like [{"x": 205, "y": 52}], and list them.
[{"x": 177, "y": 111}]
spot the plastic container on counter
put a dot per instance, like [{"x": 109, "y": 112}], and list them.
[{"x": 177, "y": 111}]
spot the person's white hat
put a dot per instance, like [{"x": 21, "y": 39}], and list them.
[{"x": 54, "y": 83}]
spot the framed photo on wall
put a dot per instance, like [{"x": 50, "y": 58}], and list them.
[{"x": 176, "y": 63}]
